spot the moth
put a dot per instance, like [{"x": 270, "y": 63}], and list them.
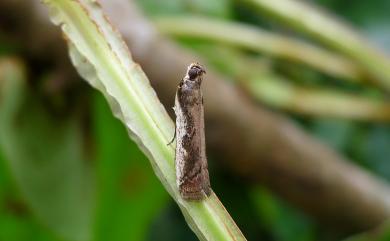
[{"x": 192, "y": 176}]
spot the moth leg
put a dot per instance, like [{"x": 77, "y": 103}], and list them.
[{"x": 174, "y": 137}]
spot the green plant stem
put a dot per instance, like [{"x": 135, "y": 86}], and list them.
[
  {"x": 279, "y": 93},
  {"x": 102, "y": 58},
  {"x": 331, "y": 32},
  {"x": 255, "y": 39},
  {"x": 256, "y": 77}
]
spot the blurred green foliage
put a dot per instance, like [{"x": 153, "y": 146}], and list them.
[
  {"x": 129, "y": 195},
  {"x": 122, "y": 196}
]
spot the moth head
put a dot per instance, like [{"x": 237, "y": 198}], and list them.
[{"x": 194, "y": 71}]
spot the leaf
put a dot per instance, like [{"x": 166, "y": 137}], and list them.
[
  {"x": 255, "y": 39},
  {"x": 130, "y": 195},
  {"x": 285, "y": 223},
  {"x": 45, "y": 158},
  {"x": 331, "y": 32},
  {"x": 216, "y": 8}
]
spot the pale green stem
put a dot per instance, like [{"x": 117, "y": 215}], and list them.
[
  {"x": 255, "y": 76},
  {"x": 279, "y": 93},
  {"x": 253, "y": 38},
  {"x": 330, "y": 31}
]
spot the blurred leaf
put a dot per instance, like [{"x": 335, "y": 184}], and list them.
[
  {"x": 335, "y": 133},
  {"x": 317, "y": 102},
  {"x": 285, "y": 223},
  {"x": 130, "y": 195},
  {"x": 371, "y": 17},
  {"x": 258, "y": 40},
  {"x": 155, "y": 7},
  {"x": 169, "y": 226},
  {"x": 22, "y": 228},
  {"x": 362, "y": 13},
  {"x": 216, "y": 8},
  {"x": 45, "y": 156},
  {"x": 380, "y": 34},
  {"x": 330, "y": 31},
  {"x": 237, "y": 197},
  {"x": 374, "y": 150},
  {"x": 253, "y": 74},
  {"x": 4, "y": 176}
]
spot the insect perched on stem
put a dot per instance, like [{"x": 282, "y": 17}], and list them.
[{"x": 192, "y": 176}]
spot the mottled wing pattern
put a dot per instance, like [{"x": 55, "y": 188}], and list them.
[{"x": 191, "y": 163}]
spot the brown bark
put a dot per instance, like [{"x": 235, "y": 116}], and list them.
[{"x": 249, "y": 140}]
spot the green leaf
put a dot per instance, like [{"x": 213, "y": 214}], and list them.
[
  {"x": 331, "y": 32},
  {"x": 130, "y": 195},
  {"x": 45, "y": 158},
  {"x": 285, "y": 223},
  {"x": 216, "y": 8},
  {"x": 255, "y": 39}
]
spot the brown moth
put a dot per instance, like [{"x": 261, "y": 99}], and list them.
[{"x": 192, "y": 176}]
